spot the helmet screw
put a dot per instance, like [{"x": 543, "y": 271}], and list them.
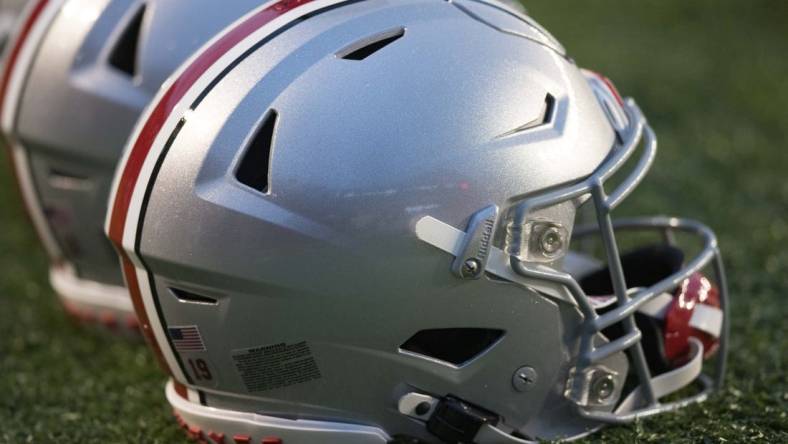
[
  {"x": 602, "y": 386},
  {"x": 471, "y": 268},
  {"x": 551, "y": 241},
  {"x": 524, "y": 379},
  {"x": 422, "y": 408}
]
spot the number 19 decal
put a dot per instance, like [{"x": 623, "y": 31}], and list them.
[{"x": 201, "y": 371}]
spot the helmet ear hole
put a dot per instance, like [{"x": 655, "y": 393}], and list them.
[
  {"x": 365, "y": 48},
  {"x": 455, "y": 346}
]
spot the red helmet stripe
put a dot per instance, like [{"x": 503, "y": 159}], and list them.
[
  {"x": 611, "y": 87},
  {"x": 142, "y": 316}
]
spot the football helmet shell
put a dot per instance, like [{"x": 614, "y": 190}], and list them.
[
  {"x": 79, "y": 74},
  {"x": 349, "y": 221}
]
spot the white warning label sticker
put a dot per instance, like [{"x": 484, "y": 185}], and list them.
[{"x": 274, "y": 366}]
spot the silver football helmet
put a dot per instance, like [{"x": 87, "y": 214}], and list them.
[
  {"x": 354, "y": 222},
  {"x": 79, "y": 73}
]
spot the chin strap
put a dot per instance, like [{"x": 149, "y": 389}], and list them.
[
  {"x": 668, "y": 382},
  {"x": 705, "y": 318}
]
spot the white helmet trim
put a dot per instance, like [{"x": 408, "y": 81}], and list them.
[{"x": 223, "y": 422}]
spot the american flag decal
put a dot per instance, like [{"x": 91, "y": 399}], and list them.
[{"x": 186, "y": 338}]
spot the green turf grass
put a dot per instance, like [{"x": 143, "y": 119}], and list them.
[{"x": 712, "y": 76}]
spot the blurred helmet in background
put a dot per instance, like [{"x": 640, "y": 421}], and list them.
[
  {"x": 354, "y": 221},
  {"x": 9, "y": 12},
  {"x": 78, "y": 74}
]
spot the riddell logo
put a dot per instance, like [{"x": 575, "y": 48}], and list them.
[{"x": 484, "y": 243}]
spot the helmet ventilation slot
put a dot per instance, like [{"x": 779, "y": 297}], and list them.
[
  {"x": 253, "y": 168},
  {"x": 67, "y": 181},
  {"x": 370, "y": 45},
  {"x": 547, "y": 111},
  {"x": 192, "y": 298},
  {"x": 545, "y": 117},
  {"x": 124, "y": 55},
  {"x": 455, "y": 346}
]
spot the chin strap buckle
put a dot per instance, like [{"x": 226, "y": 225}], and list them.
[
  {"x": 450, "y": 419},
  {"x": 456, "y": 421}
]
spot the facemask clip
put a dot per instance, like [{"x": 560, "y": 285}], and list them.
[{"x": 477, "y": 244}]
